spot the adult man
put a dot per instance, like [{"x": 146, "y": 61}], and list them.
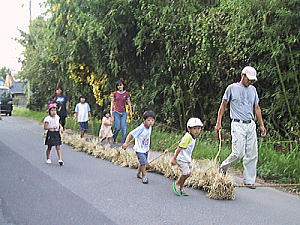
[
  {"x": 63, "y": 106},
  {"x": 243, "y": 100}
]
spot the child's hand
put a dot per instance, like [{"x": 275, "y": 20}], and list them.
[
  {"x": 125, "y": 145},
  {"x": 173, "y": 161}
]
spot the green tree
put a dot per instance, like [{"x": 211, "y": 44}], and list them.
[
  {"x": 177, "y": 57},
  {"x": 4, "y": 71}
]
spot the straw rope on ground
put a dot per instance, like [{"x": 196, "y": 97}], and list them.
[{"x": 205, "y": 173}]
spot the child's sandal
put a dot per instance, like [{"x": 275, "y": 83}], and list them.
[
  {"x": 175, "y": 189},
  {"x": 145, "y": 180},
  {"x": 183, "y": 193}
]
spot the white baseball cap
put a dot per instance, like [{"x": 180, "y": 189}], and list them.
[
  {"x": 194, "y": 122},
  {"x": 250, "y": 73}
]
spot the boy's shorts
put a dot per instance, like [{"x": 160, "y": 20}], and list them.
[
  {"x": 142, "y": 157},
  {"x": 83, "y": 125},
  {"x": 185, "y": 167}
]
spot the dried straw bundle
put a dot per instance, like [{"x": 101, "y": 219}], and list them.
[
  {"x": 205, "y": 173},
  {"x": 90, "y": 147},
  {"x": 222, "y": 188},
  {"x": 67, "y": 138},
  {"x": 106, "y": 153},
  {"x": 124, "y": 158},
  {"x": 78, "y": 143},
  {"x": 163, "y": 166},
  {"x": 205, "y": 176},
  {"x": 102, "y": 152}
]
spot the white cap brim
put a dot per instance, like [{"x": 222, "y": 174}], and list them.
[
  {"x": 251, "y": 77},
  {"x": 250, "y": 73}
]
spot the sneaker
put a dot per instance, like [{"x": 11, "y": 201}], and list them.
[
  {"x": 183, "y": 193},
  {"x": 222, "y": 171},
  {"x": 139, "y": 175},
  {"x": 60, "y": 162},
  {"x": 145, "y": 180},
  {"x": 48, "y": 161},
  {"x": 176, "y": 189}
]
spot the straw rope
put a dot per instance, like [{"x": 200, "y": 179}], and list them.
[
  {"x": 267, "y": 185},
  {"x": 164, "y": 153},
  {"x": 220, "y": 145}
]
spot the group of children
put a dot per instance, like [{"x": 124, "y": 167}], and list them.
[
  {"x": 82, "y": 116},
  {"x": 183, "y": 154},
  {"x": 141, "y": 134}
]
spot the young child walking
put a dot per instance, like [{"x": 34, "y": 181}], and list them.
[
  {"x": 105, "y": 130},
  {"x": 52, "y": 100},
  {"x": 142, "y": 134},
  {"x": 183, "y": 154},
  {"x": 53, "y": 138},
  {"x": 82, "y": 115}
]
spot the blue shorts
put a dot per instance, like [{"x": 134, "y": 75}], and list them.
[
  {"x": 83, "y": 125},
  {"x": 142, "y": 157}
]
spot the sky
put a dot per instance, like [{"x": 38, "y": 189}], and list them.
[{"x": 14, "y": 15}]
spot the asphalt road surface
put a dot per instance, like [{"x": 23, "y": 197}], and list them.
[{"x": 91, "y": 191}]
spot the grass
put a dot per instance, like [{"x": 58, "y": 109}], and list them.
[
  {"x": 24, "y": 112},
  {"x": 278, "y": 166}
]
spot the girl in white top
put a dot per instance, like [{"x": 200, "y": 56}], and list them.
[
  {"x": 183, "y": 154},
  {"x": 53, "y": 138}
]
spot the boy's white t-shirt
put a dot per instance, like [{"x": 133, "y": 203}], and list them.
[
  {"x": 141, "y": 135},
  {"x": 187, "y": 145},
  {"x": 83, "y": 110},
  {"x": 52, "y": 122}
]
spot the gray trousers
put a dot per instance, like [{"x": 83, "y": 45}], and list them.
[{"x": 244, "y": 145}]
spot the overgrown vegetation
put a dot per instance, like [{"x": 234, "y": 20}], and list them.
[
  {"x": 177, "y": 57},
  {"x": 4, "y": 71}
]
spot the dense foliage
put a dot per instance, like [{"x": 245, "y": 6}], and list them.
[
  {"x": 4, "y": 71},
  {"x": 177, "y": 57}
]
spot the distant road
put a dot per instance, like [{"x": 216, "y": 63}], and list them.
[{"x": 91, "y": 191}]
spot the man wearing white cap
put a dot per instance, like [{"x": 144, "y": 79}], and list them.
[{"x": 243, "y": 100}]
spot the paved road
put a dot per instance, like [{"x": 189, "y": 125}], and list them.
[{"x": 90, "y": 191}]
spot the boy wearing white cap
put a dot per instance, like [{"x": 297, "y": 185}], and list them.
[
  {"x": 244, "y": 101},
  {"x": 183, "y": 154}
]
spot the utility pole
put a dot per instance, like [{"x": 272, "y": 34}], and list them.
[
  {"x": 28, "y": 82},
  {"x": 29, "y": 12}
]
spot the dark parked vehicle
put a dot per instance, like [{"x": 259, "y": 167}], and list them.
[{"x": 6, "y": 101}]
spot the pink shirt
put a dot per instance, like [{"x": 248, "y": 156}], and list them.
[{"x": 120, "y": 101}]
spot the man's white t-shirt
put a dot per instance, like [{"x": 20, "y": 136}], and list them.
[
  {"x": 83, "y": 110},
  {"x": 141, "y": 135}
]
